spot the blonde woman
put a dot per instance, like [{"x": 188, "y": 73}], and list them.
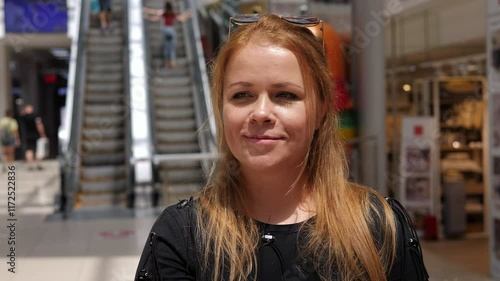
[{"x": 278, "y": 205}]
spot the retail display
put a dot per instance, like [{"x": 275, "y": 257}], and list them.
[
  {"x": 417, "y": 169},
  {"x": 458, "y": 105}
]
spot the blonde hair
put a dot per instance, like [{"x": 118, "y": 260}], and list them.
[{"x": 340, "y": 241}]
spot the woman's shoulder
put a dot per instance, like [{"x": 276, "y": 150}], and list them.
[
  {"x": 371, "y": 198},
  {"x": 177, "y": 216}
]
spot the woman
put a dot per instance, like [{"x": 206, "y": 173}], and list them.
[
  {"x": 168, "y": 29},
  {"x": 278, "y": 205},
  {"x": 9, "y": 137}
]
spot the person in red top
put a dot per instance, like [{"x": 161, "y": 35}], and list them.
[{"x": 168, "y": 29}]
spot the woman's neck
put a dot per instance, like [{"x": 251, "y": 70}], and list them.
[{"x": 276, "y": 199}]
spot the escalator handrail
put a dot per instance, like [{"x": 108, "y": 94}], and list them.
[
  {"x": 200, "y": 59},
  {"x": 127, "y": 104},
  {"x": 149, "y": 93},
  {"x": 138, "y": 96},
  {"x": 201, "y": 76},
  {"x": 201, "y": 92},
  {"x": 70, "y": 133}
]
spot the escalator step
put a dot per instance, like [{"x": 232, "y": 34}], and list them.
[
  {"x": 176, "y": 102},
  {"x": 187, "y": 124},
  {"x": 178, "y": 148},
  {"x": 175, "y": 113},
  {"x": 177, "y": 137},
  {"x": 100, "y": 98},
  {"x": 179, "y": 91},
  {"x": 103, "y": 159},
  {"x": 102, "y": 186}
]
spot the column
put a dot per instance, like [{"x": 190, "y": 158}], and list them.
[
  {"x": 369, "y": 18},
  {"x": 5, "y": 78}
]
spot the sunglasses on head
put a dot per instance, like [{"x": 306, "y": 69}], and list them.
[{"x": 308, "y": 22}]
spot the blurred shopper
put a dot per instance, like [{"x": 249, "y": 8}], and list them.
[
  {"x": 168, "y": 29},
  {"x": 105, "y": 16},
  {"x": 9, "y": 137},
  {"x": 33, "y": 129}
]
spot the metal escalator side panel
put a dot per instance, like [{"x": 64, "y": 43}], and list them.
[
  {"x": 69, "y": 134},
  {"x": 103, "y": 178}
]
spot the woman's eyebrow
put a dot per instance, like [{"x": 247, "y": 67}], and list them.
[
  {"x": 286, "y": 84},
  {"x": 240, "y": 83}
]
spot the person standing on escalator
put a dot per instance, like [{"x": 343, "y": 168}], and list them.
[
  {"x": 169, "y": 17},
  {"x": 105, "y": 15}
]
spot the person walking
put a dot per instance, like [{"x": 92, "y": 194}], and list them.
[
  {"x": 33, "y": 130},
  {"x": 168, "y": 30},
  {"x": 9, "y": 138}
]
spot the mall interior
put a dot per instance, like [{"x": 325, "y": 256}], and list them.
[{"x": 127, "y": 136}]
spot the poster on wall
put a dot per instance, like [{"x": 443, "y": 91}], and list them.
[
  {"x": 418, "y": 189},
  {"x": 418, "y": 159},
  {"x": 33, "y": 16},
  {"x": 417, "y": 168}
]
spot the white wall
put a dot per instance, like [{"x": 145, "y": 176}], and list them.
[{"x": 448, "y": 23}]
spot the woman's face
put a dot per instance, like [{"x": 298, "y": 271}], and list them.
[{"x": 266, "y": 123}]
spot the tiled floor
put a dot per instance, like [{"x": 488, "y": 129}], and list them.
[{"x": 109, "y": 248}]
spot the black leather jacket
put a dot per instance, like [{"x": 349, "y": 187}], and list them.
[{"x": 172, "y": 252}]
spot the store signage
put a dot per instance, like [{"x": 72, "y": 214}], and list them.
[
  {"x": 418, "y": 169},
  {"x": 35, "y": 16}
]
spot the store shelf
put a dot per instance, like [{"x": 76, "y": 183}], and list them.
[
  {"x": 474, "y": 189},
  {"x": 455, "y": 127},
  {"x": 476, "y": 227},
  {"x": 460, "y": 148},
  {"x": 474, "y": 209},
  {"x": 459, "y": 111}
]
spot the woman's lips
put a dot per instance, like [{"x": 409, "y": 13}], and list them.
[{"x": 263, "y": 139}]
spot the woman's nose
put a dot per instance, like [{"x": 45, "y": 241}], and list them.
[{"x": 262, "y": 111}]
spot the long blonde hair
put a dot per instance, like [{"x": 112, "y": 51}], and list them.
[{"x": 341, "y": 239}]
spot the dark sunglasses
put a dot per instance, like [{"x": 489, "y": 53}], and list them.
[{"x": 304, "y": 21}]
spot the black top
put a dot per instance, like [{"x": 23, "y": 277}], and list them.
[
  {"x": 29, "y": 122},
  {"x": 171, "y": 251}
]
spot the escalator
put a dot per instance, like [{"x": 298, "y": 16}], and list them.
[
  {"x": 132, "y": 126},
  {"x": 95, "y": 172},
  {"x": 103, "y": 169},
  {"x": 177, "y": 111}
]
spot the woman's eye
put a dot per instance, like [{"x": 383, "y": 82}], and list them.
[
  {"x": 287, "y": 95},
  {"x": 240, "y": 95}
]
